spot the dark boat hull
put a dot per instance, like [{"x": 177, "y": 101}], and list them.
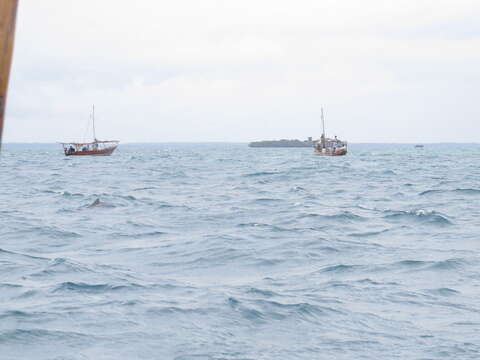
[{"x": 101, "y": 152}]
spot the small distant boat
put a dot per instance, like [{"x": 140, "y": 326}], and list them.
[
  {"x": 330, "y": 147},
  {"x": 94, "y": 148},
  {"x": 419, "y": 146}
]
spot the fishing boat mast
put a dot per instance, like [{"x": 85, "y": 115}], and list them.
[
  {"x": 93, "y": 118},
  {"x": 8, "y": 15},
  {"x": 323, "y": 129}
]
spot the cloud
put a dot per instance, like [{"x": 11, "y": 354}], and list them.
[{"x": 238, "y": 71}]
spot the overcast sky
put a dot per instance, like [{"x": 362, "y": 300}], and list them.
[{"x": 218, "y": 70}]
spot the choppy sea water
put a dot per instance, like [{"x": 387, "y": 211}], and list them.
[{"x": 220, "y": 251}]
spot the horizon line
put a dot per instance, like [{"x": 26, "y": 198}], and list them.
[{"x": 247, "y": 142}]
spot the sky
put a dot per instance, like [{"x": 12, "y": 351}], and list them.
[{"x": 210, "y": 70}]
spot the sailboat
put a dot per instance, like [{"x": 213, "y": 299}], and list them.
[
  {"x": 329, "y": 147},
  {"x": 94, "y": 148}
]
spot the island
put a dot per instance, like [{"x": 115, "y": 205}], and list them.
[{"x": 283, "y": 143}]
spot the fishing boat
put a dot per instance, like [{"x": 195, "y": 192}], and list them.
[
  {"x": 327, "y": 146},
  {"x": 94, "y": 148}
]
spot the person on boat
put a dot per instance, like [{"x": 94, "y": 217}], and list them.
[
  {"x": 85, "y": 148},
  {"x": 71, "y": 150},
  {"x": 322, "y": 141}
]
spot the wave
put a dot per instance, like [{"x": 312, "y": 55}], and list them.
[
  {"x": 329, "y": 249},
  {"x": 16, "y": 314},
  {"x": 423, "y": 216},
  {"x": 34, "y": 335},
  {"x": 439, "y": 265},
  {"x": 68, "y": 194},
  {"x": 273, "y": 228},
  {"x": 52, "y": 232},
  {"x": 269, "y": 262},
  {"x": 94, "y": 288},
  {"x": 55, "y": 233},
  {"x": 411, "y": 263},
  {"x": 266, "y": 293},
  {"x": 262, "y": 310},
  {"x": 449, "y": 264},
  {"x": 144, "y": 188},
  {"x": 404, "y": 265},
  {"x": 454, "y": 191},
  {"x": 176, "y": 310},
  {"x": 263, "y": 200},
  {"x": 341, "y": 268},
  {"x": 389, "y": 172},
  {"x": 343, "y": 216},
  {"x": 62, "y": 266},
  {"x": 50, "y": 191},
  {"x": 369, "y": 233},
  {"x": 248, "y": 313},
  {"x": 10, "y": 286},
  {"x": 167, "y": 206},
  {"x": 128, "y": 197},
  {"x": 27, "y": 294},
  {"x": 443, "y": 292},
  {"x": 208, "y": 258},
  {"x": 305, "y": 310},
  {"x": 149, "y": 234},
  {"x": 298, "y": 189},
  {"x": 346, "y": 215},
  {"x": 20, "y": 255},
  {"x": 476, "y": 324},
  {"x": 261, "y": 173}
]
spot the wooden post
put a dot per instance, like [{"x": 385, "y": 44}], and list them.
[{"x": 8, "y": 15}]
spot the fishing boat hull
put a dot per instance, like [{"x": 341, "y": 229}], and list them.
[
  {"x": 100, "y": 152},
  {"x": 339, "y": 152}
]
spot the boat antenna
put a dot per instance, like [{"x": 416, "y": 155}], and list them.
[
  {"x": 93, "y": 117},
  {"x": 323, "y": 129}
]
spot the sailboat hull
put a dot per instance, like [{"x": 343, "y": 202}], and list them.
[{"x": 100, "y": 152}]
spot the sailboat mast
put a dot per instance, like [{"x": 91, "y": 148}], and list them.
[
  {"x": 93, "y": 118},
  {"x": 8, "y": 15}
]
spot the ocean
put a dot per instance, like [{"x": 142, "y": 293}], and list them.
[{"x": 220, "y": 251}]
